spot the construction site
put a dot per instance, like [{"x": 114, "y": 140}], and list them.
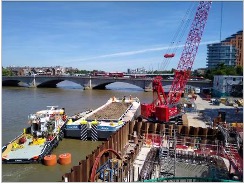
[
  {"x": 198, "y": 146},
  {"x": 180, "y": 136}
]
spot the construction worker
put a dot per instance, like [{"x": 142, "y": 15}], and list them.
[{"x": 123, "y": 100}]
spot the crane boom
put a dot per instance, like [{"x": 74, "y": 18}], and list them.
[
  {"x": 166, "y": 108},
  {"x": 189, "y": 52}
]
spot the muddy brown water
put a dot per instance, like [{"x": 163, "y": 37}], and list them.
[{"x": 18, "y": 103}]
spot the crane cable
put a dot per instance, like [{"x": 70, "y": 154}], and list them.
[
  {"x": 184, "y": 28},
  {"x": 179, "y": 34},
  {"x": 176, "y": 34}
]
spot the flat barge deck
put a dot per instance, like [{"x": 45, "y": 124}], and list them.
[{"x": 105, "y": 120}]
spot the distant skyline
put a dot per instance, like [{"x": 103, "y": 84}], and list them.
[{"x": 111, "y": 36}]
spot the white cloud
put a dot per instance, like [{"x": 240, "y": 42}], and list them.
[{"x": 130, "y": 53}]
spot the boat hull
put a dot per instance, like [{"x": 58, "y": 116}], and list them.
[
  {"x": 47, "y": 149},
  {"x": 105, "y": 127},
  {"x": 76, "y": 134},
  {"x": 74, "y": 131}
]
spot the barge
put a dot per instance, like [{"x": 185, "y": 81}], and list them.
[
  {"x": 39, "y": 139},
  {"x": 99, "y": 124}
]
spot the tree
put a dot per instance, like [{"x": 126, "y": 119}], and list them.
[
  {"x": 219, "y": 72},
  {"x": 239, "y": 70},
  {"x": 209, "y": 75},
  {"x": 221, "y": 66},
  {"x": 81, "y": 72},
  {"x": 230, "y": 70},
  {"x": 196, "y": 73},
  {"x": 6, "y": 72},
  {"x": 222, "y": 69}
]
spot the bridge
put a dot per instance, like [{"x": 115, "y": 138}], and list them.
[{"x": 91, "y": 82}]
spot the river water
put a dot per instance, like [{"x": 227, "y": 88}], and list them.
[{"x": 19, "y": 102}]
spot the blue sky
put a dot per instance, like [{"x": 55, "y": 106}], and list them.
[{"x": 110, "y": 36}]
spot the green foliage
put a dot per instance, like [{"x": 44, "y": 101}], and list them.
[
  {"x": 209, "y": 75},
  {"x": 82, "y": 72},
  {"x": 78, "y": 72},
  {"x": 6, "y": 72},
  {"x": 157, "y": 72},
  {"x": 239, "y": 70},
  {"x": 196, "y": 74},
  {"x": 222, "y": 69},
  {"x": 230, "y": 71},
  {"x": 160, "y": 72}
]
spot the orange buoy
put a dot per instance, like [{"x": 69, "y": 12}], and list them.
[
  {"x": 50, "y": 160},
  {"x": 65, "y": 158}
]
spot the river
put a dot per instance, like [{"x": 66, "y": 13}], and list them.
[{"x": 19, "y": 102}]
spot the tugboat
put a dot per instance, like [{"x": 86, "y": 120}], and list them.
[{"x": 39, "y": 139}]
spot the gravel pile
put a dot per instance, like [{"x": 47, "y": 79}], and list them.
[{"x": 112, "y": 111}]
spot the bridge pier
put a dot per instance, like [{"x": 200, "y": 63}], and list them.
[
  {"x": 87, "y": 88},
  {"x": 148, "y": 86},
  {"x": 33, "y": 84},
  {"x": 148, "y": 89}
]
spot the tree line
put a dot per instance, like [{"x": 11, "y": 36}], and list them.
[
  {"x": 6, "y": 72},
  {"x": 222, "y": 69}
]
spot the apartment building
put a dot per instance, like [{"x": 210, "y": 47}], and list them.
[
  {"x": 228, "y": 51},
  {"x": 236, "y": 40},
  {"x": 218, "y": 53}
]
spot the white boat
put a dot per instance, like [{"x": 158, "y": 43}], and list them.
[{"x": 39, "y": 139}]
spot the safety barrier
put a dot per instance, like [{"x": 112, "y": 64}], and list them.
[
  {"x": 120, "y": 139},
  {"x": 94, "y": 135},
  {"x": 189, "y": 179},
  {"x": 117, "y": 142},
  {"x": 83, "y": 132}
]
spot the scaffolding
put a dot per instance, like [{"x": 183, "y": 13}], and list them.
[{"x": 167, "y": 152}]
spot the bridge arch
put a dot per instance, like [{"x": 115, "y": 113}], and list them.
[
  {"x": 101, "y": 84},
  {"x": 120, "y": 86},
  {"x": 50, "y": 83},
  {"x": 90, "y": 82},
  {"x": 11, "y": 82}
]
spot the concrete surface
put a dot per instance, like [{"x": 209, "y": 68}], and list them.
[{"x": 206, "y": 112}]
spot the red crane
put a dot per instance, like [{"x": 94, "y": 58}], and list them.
[{"x": 163, "y": 107}]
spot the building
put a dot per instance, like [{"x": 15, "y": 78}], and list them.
[
  {"x": 218, "y": 53},
  {"x": 136, "y": 71},
  {"x": 225, "y": 85},
  {"x": 200, "y": 71},
  {"x": 236, "y": 40},
  {"x": 228, "y": 51},
  {"x": 26, "y": 71}
]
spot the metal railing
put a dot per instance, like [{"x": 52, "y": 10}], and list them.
[{"x": 188, "y": 179}]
